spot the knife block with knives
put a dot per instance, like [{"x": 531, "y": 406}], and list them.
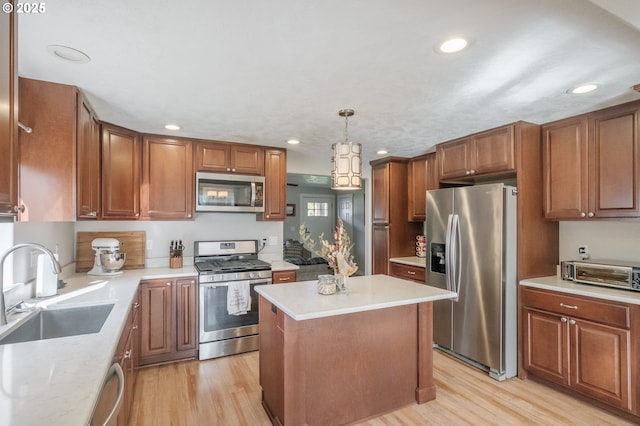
[{"x": 175, "y": 254}]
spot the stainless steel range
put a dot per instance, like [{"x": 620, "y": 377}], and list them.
[{"x": 223, "y": 264}]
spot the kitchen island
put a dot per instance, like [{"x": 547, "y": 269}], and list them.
[{"x": 339, "y": 358}]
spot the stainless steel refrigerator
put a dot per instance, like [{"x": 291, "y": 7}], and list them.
[{"x": 471, "y": 238}]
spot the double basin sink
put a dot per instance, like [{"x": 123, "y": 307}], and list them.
[{"x": 53, "y": 322}]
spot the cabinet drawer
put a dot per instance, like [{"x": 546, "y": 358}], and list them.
[
  {"x": 281, "y": 277},
  {"x": 600, "y": 311},
  {"x": 407, "y": 272}
]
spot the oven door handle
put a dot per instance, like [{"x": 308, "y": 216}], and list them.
[{"x": 226, "y": 283}]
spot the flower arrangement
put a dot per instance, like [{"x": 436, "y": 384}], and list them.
[{"x": 337, "y": 254}]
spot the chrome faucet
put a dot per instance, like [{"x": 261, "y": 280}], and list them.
[{"x": 55, "y": 267}]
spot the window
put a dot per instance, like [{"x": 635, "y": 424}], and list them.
[{"x": 317, "y": 209}]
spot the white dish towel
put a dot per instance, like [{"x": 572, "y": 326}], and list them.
[{"x": 238, "y": 298}]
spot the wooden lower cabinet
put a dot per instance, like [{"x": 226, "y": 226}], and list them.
[
  {"x": 282, "y": 277},
  {"x": 407, "y": 272},
  {"x": 168, "y": 320},
  {"x": 127, "y": 356},
  {"x": 584, "y": 344}
]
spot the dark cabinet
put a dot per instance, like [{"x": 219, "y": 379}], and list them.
[
  {"x": 168, "y": 320},
  {"x": 282, "y": 277},
  {"x": 226, "y": 157},
  {"x": 120, "y": 173},
  {"x": 88, "y": 183},
  {"x": 483, "y": 153},
  {"x": 8, "y": 114},
  {"x": 167, "y": 178},
  {"x": 592, "y": 165},
  {"x": 584, "y": 344},
  {"x": 423, "y": 176},
  {"x": 393, "y": 235},
  {"x": 275, "y": 188}
]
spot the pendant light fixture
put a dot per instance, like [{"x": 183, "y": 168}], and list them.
[{"x": 347, "y": 162}]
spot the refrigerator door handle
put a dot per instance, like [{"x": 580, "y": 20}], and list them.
[
  {"x": 457, "y": 255},
  {"x": 448, "y": 270}
]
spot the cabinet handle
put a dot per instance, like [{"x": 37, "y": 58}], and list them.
[
  {"x": 583, "y": 214},
  {"x": 411, "y": 272},
  {"x": 568, "y": 306},
  {"x": 285, "y": 279},
  {"x": 563, "y": 319},
  {"x": 572, "y": 322},
  {"x": 136, "y": 305},
  {"x": 19, "y": 209},
  {"x": 127, "y": 354},
  {"x": 135, "y": 327},
  {"x": 591, "y": 214}
]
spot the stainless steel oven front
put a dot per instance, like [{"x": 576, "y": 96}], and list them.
[{"x": 223, "y": 334}]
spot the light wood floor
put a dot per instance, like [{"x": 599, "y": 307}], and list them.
[{"x": 225, "y": 391}]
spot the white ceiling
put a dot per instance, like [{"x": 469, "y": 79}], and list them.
[{"x": 262, "y": 72}]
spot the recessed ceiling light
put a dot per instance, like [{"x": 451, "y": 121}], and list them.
[
  {"x": 172, "y": 127},
  {"x": 583, "y": 88},
  {"x": 68, "y": 54},
  {"x": 453, "y": 45},
  {"x": 293, "y": 141},
  {"x": 382, "y": 152}
]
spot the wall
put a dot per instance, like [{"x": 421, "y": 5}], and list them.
[
  {"x": 613, "y": 240},
  {"x": 206, "y": 226}
]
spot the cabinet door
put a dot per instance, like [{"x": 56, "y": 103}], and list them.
[
  {"x": 455, "y": 158},
  {"x": 418, "y": 170},
  {"x": 8, "y": 114},
  {"x": 167, "y": 178},
  {"x": 546, "y": 350},
  {"x": 186, "y": 315},
  {"x": 600, "y": 363},
  {"x": 281, "y": 277},
  {"x": 380, "y": 236},
  {"x": 156, "y": 318},
  {"x": 213, "y": 157},
  {"x": 494, "y": 151},
  {"x": 275, "y": 192},
  {"x": 120, "y": 173},
  {"x": 380, "y": 176},
  {"x": 614, "y": 162},
  {"x": 247, "y": 159},
  {"x": 88, "y": 174},
  {"x": 564, "y": 160}
]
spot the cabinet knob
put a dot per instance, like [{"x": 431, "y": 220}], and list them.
[
  {"x": 591, "y": 214},
  {"x": 169, "y": 284},
  {"x": 572, "y": 322},
  {"x": 228, "y": 169},
  {"x": 19, "y": 209},
  {"x": 136, "y": 305},
  {"x": 268, "y": 216},
  {"x": 233, "y": 170},
  {"x": 189, "y": 215},
  {"x": 127, "y": 354},
  {"x": 467, "y": 172},
  {"x": 582, "y": 214},
  {"x": 472, "y": 172},
  {"x": 135, "y": 327},
  {"x": 563, "y": 319}
]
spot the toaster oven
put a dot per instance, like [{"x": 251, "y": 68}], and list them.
[{"x": 603, "y": 273}]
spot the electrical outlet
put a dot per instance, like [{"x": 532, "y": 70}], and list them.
[
  {"x": 263, "y": 241},
  {"x": 149, "y": 244},
  {"x": 583, "y": 251}
]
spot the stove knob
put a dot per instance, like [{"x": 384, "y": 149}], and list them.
[{"x": 251, "y": 275}]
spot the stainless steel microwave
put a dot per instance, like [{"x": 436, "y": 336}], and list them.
[
  {"x": 219, "y": 192},
  {"x": 603, "y": 273}
]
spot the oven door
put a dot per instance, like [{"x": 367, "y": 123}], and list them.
[{"x": 215, "y": 321}]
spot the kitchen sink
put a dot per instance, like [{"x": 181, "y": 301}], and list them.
[{"x": 63, "y": 322}]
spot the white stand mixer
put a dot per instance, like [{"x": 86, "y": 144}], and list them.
[{"x": 108, "y": 259}]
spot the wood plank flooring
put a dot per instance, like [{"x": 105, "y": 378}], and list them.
[{"x": 225, "y": 391}]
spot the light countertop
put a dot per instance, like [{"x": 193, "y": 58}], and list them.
[
  {"x": 420, "y": 262},
  {"x": 301, "y": 300},
  {"x": 279, "y": 265},
  {"x": 556, "y": 283},
  {"x": 58, "y": 381}
]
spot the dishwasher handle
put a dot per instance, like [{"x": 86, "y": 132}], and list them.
[{"x": 114, "y": 370}]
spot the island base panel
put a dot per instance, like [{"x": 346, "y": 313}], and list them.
[{"x": 344, "y": 368}]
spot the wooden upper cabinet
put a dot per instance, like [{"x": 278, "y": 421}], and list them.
[
  {"x": 8, "y": 115},
  {"x": 275, "y": 191},
  {"x": 226, "y": 157},
  {"x": 564, "y": 156},
  {"x": 380, "y": 178},
  {"x": 48, "y": 153},
  {"x": 422, "y": 177},
  {"x": 88, "y": 150},
  {"x": 120, "y": 173},
  {"x": 591, "y": 165},
  {"x": 483, "y": 153},
  {"x": 167, "y": 178},
  {"x": 614, "y": 162}
]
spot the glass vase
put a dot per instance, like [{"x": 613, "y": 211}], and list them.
[{"x": 341, "y": 283}]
